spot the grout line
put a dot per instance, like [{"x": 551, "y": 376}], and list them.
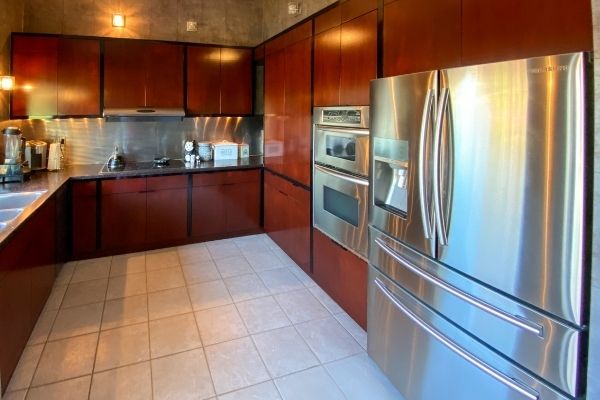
[{"x": 148, "y": 325}]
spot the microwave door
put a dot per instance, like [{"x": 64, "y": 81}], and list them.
[
  {"x": 402, "y": 121},
  {"x": 346, "y": 149}
]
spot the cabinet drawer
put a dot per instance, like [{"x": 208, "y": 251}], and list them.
[
  {"x": 116, "y": 186},
  {"x": 84, "y": 189},
  {"x": 243, "y": 176},
  {"x": 225, "y": 178},
  {"x": 167, "y": 182}
]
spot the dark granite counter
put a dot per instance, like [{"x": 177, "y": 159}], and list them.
[{"x": 50, "y": 182}]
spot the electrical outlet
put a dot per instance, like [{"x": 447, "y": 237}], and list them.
[{"x": 192, "y": 26}]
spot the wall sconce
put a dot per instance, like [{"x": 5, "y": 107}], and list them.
[
  {"x": 7, "y": 82},
  {"x": 118, "y": 20}
]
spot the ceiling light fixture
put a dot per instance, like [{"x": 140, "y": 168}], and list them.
[
  {"x": 118, "y": 20},
  {"x": 7, "y": 82},
  {"x": 294, "y": 8}
]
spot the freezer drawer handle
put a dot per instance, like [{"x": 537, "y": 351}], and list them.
[
  {"x": 345, "y": 177},
  {"x": 512, "y": 383},
  {"x": 511, "y": 319},
  {"x": 423, "y": 193}
]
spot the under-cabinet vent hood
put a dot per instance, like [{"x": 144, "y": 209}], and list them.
[{"x": 143, "y": 113}]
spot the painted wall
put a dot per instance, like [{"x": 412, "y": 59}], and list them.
[
  {"x": 11, "y": 20},
  {"x": 276, "y": 18},
  {"x": 227, "y": 22}
]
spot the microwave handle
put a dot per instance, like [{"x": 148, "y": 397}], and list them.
[{"x": 339, "y": 175}]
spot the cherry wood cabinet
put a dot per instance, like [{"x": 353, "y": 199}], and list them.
[
  {"x": 166, "y": 209},
  {"x": 84, "y": 208},
  {"x": 219, "y": 80},
  {"x": 511, "y": 29},
  {"x": 327, "y": 66},
  {"x": 421, "y": 35},
  {"x": 142, "y": 74},
  {"x": 342, "y": 274},
  {"x": 274, "y": 116},
  {"x": 287, "y": 217}
]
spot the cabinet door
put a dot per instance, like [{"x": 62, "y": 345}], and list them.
[
  {"x": 326, "y": 91},
  {"x": 34, "y": 66},
  {"x": 511, "y": 29},
  {"x": 124, "y": 76},
  {"x": 209, "y": 211},
  {"x": 84, "y": 210},
  {"x": 298, "y": 111},
  {"x": 273, "y": 209},
  {"x": 164, "y": 75},
  {"x": 274, "y": 110},
  {"x": 78, "y": 77},
  {"x": 167, "y": 209},
  {"x": 299, "y": 228},
  {"x": 243, "y": 208},
  {"x": 422, "y": 35},
  {"x": 203, "y": 77},
  {"x": 358, "y": 59},
  {"x": 236, "y": 81}
]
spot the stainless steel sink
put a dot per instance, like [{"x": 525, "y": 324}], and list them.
[
  {"x": 10, "y": 214},
  {"x": 18, "y": 200}
]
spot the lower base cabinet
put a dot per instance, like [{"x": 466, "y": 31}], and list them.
[
  {"x": 166, "y": 210},
  {"x": 287, "y": 217},
  {"x": 342, "y": 274}
]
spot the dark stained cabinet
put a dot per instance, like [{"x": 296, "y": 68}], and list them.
[
  {"x": 219, "y": 80},
  {"x": 166, "y": 209},
  {"x": 142, "y": 74},
  {"x": 274, "y": 117},
  {"x": 84, "y": 210},
  {"x": 55, "y": 76},
  {"x": 327, "y": 53},
  {"x": 421, "y": 35},
  {"x": 342, "y": 275},
  {"x": 511, "y": 29}
]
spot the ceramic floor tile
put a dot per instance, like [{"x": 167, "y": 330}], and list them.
[
  {"x": 173, "y": 335},
  {"x": 182, "y": 376},
  {"x": 193, "y": 253},
  {"x": 280, "y": 280},
  {"x": 223, "y": 248},
  {"x": 126, "y": 311},
  {"x": 85, "y": 293},
  {"x": 99, "y": 260},
  {"x": 133, "y": 382},
  {"x": 263, "y": 260},
  {"x": 122, "y": 346},
  {"x": 220, "y": 325},
  {"x": 262, "y": 314},
  {"x": 134, "y": 263},
  {"x": 16, "y": 395},
  {"x": 65, "y": 274},
  {"x": 201, "y": 271},
  {"x": 251, "y": 243},
  {"x": 43, "y": 326},
  {"x": 168, "y": 302},
  {"x": 233, "y": 266},
  {"x": 23, "y": 373},
  {"x": 283, "y": 257},
  {"x": 91, "y": 270},
  {"x": 301, "y": 306},
  {"x": 160, "y": 259},
  {"x": 75, "y": 321},
  {"x": 284, "y": 351},
  {"x": 328, "y": 339},
  {"x": 56, "y": 297},
  {"x": 72, "y": 389},
  {"x": 126, "y": 285},
  {"x": 246, "y": 287},
  {"x": 327, "y": 301},
  {"x": 163, "y": 279},
  {"x": 313, "y": 384},
  {"x": 235, "y": 364},
  {"x": 209, "y": 295},
  {"x": 357, "y": 332},
  {"x": 302, "y": 276},
  {"x": 65, "y": 359},
  {"x": 262, "y": 391},
  {"x": 359, "y": 378}
]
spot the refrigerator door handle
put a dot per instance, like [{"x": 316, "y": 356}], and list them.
[
  {"x": 423, "y": 157},
  {"x": 437, "y": 144},
  {"x": 482, "y": 305},
  {"x": 512, "y": 383}
]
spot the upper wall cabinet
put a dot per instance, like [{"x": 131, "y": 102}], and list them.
[
  {"x": 511, "y": 29},
  {"x": 219, "y": 80},
  {"x": 142, "y": 74},
  {"x": 345, "y": 51},
  {"x": 55, "y": 76}
]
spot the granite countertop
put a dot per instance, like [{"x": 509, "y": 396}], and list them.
[{"x": 50, "y": 182}]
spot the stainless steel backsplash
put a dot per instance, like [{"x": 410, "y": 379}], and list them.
[{"x": 92, "y": 140}]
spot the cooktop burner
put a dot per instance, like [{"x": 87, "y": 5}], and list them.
[{"x": 143, "y": 166}]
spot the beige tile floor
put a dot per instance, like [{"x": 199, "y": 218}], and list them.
[{"x": 229, "y": 319}]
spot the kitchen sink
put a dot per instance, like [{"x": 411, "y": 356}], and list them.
[{"x": 18, "y": 200}]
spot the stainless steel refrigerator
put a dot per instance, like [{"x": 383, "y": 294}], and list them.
[{"x": 478, "y": 246}]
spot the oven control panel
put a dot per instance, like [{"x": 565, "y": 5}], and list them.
[{"x": 342, "y": 116}]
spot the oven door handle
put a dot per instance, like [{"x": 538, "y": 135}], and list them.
[
  {"x": 339, "y": 175},
  {"x": 500, "y": 376},
  {"x": 346, "y": 132}
]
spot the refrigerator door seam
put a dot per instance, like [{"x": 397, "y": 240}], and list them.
[{"x": 437, "y": 192}]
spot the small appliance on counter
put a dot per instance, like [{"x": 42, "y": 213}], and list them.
[
  {"x": 35, "y": 154},
  {"x": 243, "y": 150},
  {"x": 56, "y": 155},
  {"x": 205, "y": 151},
  {"x": 13, "y": 167},
  {"x": 225, "y": 150}
]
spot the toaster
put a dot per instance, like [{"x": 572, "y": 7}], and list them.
[{"x": 36, "y": 152}]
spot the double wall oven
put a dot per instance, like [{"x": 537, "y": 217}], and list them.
[{"x": 340, "y": 180}]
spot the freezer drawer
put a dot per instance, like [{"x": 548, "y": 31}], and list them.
[
  {"x": 427, "y": 357},
  {"x": 545, "y": 346}
]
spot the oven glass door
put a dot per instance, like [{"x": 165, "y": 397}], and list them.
[
  {"x": 347, "y": 149},
  {"x": 341, "y": 208}
]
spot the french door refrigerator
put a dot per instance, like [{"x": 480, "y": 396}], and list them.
[{"x": 478, "y": 245}]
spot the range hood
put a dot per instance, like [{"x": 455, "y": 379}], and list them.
[{"x": 143, "y": 113}]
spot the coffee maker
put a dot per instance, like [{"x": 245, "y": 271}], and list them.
[{"x": 13, "y": 167}]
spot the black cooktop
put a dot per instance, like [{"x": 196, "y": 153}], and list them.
[{"x": 143, "y": 166}]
